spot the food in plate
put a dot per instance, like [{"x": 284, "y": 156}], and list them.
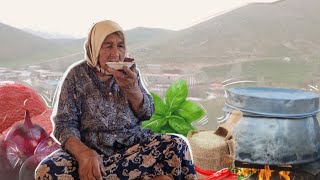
[{"x": 119, "y": 65}]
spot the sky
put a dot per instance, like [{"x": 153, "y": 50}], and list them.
[{"x": 74, "y": 17}]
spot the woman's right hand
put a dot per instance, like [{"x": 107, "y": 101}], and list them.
[{"x": 90, "y": 165}]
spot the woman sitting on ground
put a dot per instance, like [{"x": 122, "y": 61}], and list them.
[{"x": 97, "y": 120}]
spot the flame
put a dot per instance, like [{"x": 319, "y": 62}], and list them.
[
  {"x": 263, "y": 174},
  {"x": 246, "y": 172},
  {"x": 284, "y": 175}
]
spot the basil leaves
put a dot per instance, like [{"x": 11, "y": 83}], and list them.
[{"x": 175, "y": 113}]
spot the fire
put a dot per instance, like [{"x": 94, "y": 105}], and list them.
[
  {"x": 263, "y": 174},
  {"x": 284, "y": 175},
  {"x": 246, "y": 172}
]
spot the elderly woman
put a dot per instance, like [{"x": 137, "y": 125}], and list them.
[{"x": 97, "y": 120}]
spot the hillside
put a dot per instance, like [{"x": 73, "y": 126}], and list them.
[
  {"x": 285, "y": 28},
  {"x": 19, "y": 47},
  {"x": 140, "y": 35}
]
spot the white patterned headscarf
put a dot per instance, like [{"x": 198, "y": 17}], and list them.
[{"x": 96, "y": 36}]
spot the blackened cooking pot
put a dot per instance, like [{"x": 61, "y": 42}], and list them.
[{"x": 279, "y": 125}]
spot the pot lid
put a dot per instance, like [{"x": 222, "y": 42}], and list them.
[{"x": 272, "y": 102}]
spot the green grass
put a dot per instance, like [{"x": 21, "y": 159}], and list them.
[{"x": 295, "y": 73}]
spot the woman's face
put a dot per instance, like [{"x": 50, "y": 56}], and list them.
[{"x": 112, "y": 49}]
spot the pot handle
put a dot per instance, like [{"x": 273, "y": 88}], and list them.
[{"x": 226, "y": 129}]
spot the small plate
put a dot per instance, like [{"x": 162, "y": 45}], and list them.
[{"x": 119, "y": 65}]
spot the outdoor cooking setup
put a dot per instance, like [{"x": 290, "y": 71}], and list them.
[{"x": 278, "y": 133}]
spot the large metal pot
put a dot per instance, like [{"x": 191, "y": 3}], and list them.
[{"x": 279, "y": 126}]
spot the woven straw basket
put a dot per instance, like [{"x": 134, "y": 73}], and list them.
[{"x": 218, "y": 155}]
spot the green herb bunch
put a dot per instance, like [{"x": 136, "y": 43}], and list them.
[{"x": 174, "y": 114}]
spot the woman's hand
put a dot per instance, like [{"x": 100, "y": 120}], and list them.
[
  {"x": 127, "y": 80},
  {"x": 90, "y": 165}
]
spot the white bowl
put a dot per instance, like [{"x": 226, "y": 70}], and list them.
[{"x": 119, "y": 65}]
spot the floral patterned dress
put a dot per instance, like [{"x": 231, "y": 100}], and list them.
[{"x": 101, "y": 116}]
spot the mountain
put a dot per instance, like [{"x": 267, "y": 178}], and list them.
[
  {"x": 18, "y": 47},
  {"x": 284, "y": 28},
  {"x": 134, "y": 37},
  {"x": 47, "y": 35},
  {"x": 21, "y": 47},
  {"x": 139, "y": 35}
]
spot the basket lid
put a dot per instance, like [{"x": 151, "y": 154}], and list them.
[{"x": 272, "y": 102}]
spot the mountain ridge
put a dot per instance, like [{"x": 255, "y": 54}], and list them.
[
  {"x": 286, "y": 28},
  {"x": 20, "y": 47},
  {"x": 37, "y": 49}
]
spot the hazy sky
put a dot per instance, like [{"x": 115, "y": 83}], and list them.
[{"x": 74, "y": 17}]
